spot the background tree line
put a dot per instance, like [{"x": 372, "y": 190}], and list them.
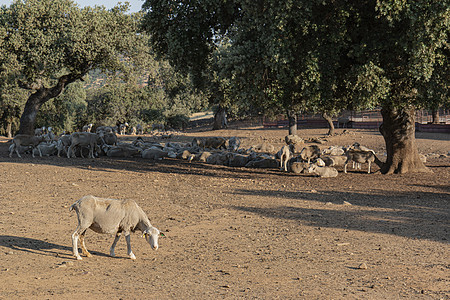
[
  {"x": 64, "y": 66},
  {"x": 244, "y": 56}
]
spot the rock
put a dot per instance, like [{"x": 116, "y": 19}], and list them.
[{"x": 362, "y": 266}]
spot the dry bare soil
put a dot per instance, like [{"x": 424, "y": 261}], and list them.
[{"x": 230, "y": 232}]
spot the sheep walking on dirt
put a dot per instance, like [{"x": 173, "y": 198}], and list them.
[
  {"x": 25, "y": 140},
  {"x": 112, "y": 217}
]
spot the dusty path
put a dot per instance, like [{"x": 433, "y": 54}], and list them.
[{"x": 231, "y": 232}]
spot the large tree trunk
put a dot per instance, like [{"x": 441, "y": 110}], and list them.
[
  {"x": 39, "y": 97},
  {"x": 220, "y": 118},
  {"x": 28, "y": 118},
  {"x": 398, "y": 130},
  {"x": 330, "y": 123},
  {"x": 292, "y": 122},
  {"x": 435, "y": 114},
  {"x": 9, "y": 129}
]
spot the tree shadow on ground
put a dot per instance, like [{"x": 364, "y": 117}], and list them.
[
  {"x": 422, "y": 215},
  {"x": 30, "y": 245}
]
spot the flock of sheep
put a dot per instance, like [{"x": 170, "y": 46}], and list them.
[
  {"x": 125, "y": 216},
  {"x": 294, "y": 157}
]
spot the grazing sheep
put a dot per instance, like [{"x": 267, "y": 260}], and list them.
[
  {"x": 25, "y": 140},
  {"x": 87, "y": 128},
  {"x": 84, "y": 139},
  {"x": 112, "y": 217},
  {"x": 360, "y": 157},
  {"x": 63, "y": 144},
  {"x": 325, "y": 172},
  {"x": 133, "y": 130},
  {"x": 309, "y": 153}
]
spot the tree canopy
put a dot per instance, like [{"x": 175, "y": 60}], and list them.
[{"x": 48, "y": 44}]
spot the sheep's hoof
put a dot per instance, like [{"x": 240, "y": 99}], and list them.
[
  {"x": 132, "y": 256},
  {"x": 79, "y": 258},
  {"x": 88, "y": 255}
]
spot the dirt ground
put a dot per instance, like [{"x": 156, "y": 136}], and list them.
[{"x": 231, "y": 232}]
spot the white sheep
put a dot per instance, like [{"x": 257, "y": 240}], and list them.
[
  {"x": 112, "y": 217},
  {"x": 359, "y": 156},
  {"x": 285, "y": 155},
  {"x": 84, "y": 139},
  {"x": 25, "y": 140},
  {"x": 45, "y": 149},
  {"x": 325, "y": 172},
  {"x": 309, "y": 153}
]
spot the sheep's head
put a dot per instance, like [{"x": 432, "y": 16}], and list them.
[{"x": 152, "y": 235}]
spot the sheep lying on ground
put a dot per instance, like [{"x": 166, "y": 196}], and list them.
[
  {"x": 325, "y": 172},
  {"x": 309, "y": 153},
  {"x": 45, "y": 149},
  {"x": 25, "y": 140},
  {"x": 112, "y": 217},
  {"x": 234, "y": 143},
  {"x": 360, "y": 157}
]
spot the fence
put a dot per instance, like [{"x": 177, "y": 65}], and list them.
[{"x": 368, "y": 119}]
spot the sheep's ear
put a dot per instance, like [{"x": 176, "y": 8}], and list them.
[{"x": 162, "y": 234}]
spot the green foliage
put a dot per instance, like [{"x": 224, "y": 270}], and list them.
[
  {"x": 319, "y": 56},
  {"x": 178, "y": 122},
  {"x": 67, "y": 112}
]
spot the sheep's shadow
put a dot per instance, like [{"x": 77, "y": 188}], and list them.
[{"x": 30, "y": 245}]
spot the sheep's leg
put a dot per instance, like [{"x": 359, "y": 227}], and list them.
[
  {"x": 113, "y": 246},
  {"x": 129, "y": 252},
  {"x": 369, "y": 168},
  {"x": 69, "y": 150},
  {"x": 83, "y": 246},
  {"x": 75, "y": 236}
]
